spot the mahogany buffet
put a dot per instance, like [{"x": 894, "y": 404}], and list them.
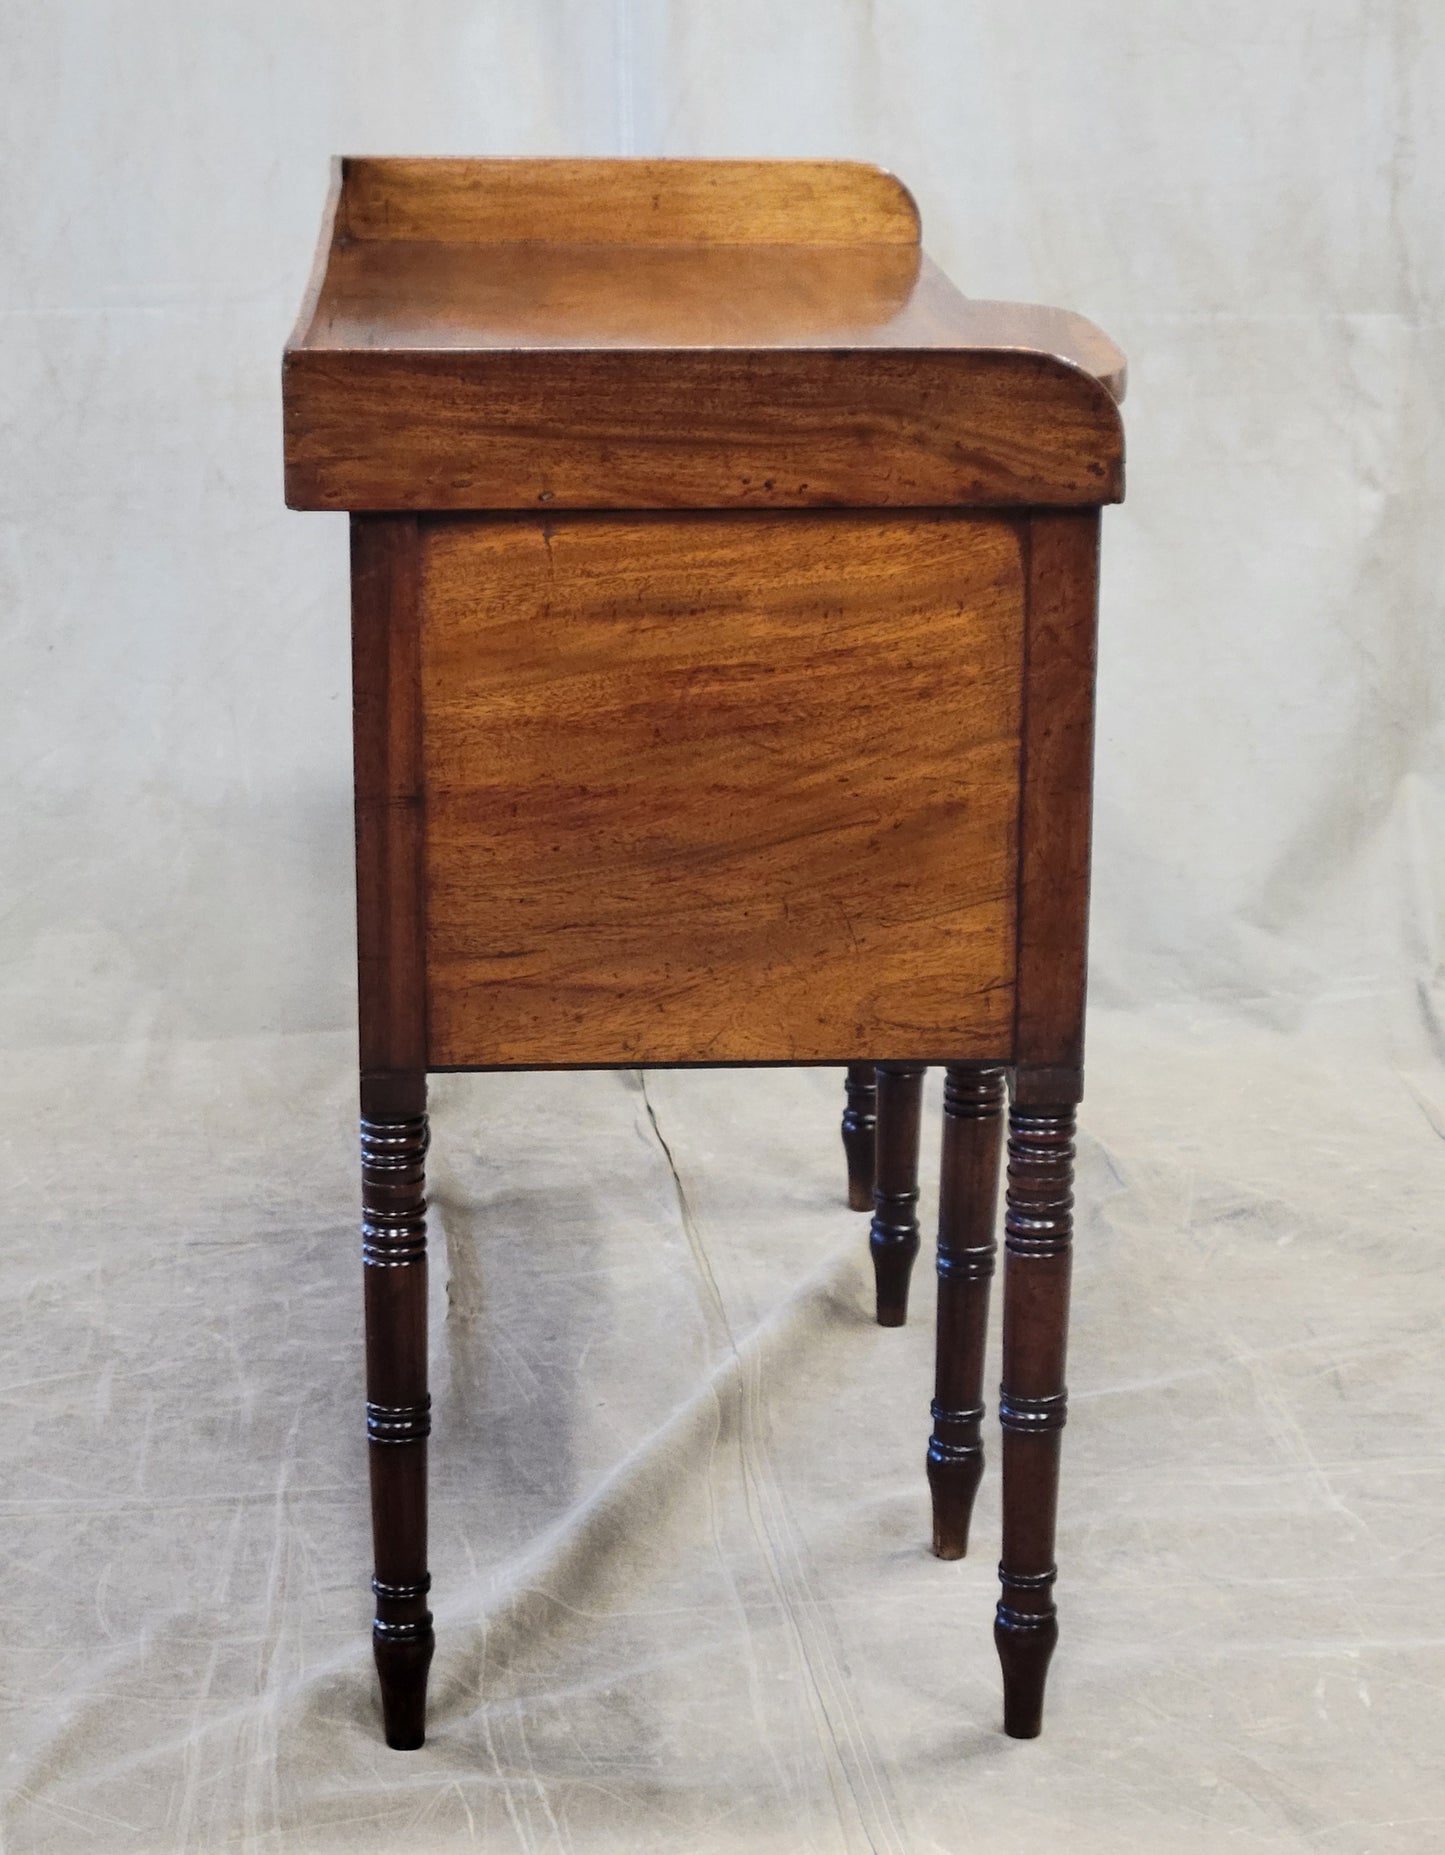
[{"x": 723, "y": 625}]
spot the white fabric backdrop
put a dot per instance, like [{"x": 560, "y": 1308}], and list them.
[{"x": 1249, "y": 199}]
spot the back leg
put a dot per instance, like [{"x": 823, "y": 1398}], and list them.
[
  {"x": 967, "y": 1208},
  {"x": 860, "y": 1126},
  {"x": 893, "y": 1239}
]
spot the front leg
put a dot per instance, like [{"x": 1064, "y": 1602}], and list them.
[
  {"x": 398, "y": 1410},
  {"x": 1038, "y": 1239}
]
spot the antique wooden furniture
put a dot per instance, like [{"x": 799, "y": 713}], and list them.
[{"x": 723, "y": 592}]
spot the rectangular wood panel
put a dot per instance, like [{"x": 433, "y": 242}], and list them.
[
  {"x": 641, "y": 202},
  {"x": 1057, "y": 805},
  {"x": 720, "y": 788},
  {"x": 390, "y": 875},
  {"x": 438, "y": 428}
]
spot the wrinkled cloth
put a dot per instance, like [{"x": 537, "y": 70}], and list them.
[{"x": 683, "y": 1592}]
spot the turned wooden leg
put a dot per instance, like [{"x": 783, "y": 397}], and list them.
[
  {"x": 398, "y": 1412},
  {"x": 967, "y": 1206},
  {"x": 893, "y": 1239},
  {"x": 860, "y": 1125},
  {"x": 1038, "y": 1234}
]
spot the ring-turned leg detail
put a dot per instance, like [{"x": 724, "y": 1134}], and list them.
[
  {"x": 860, "y": 1126},
  {"x": 967, "y": 1207},
  {"x": 1038, "y": 1238},
  {"x": 398, "y": 1414},
  {"x": 893, "y": 1238}
]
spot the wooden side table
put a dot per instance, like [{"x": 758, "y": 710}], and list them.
[{"x": 723, "y": 609}]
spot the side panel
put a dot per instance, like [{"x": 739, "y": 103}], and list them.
[{"x": 720, "y": 788}]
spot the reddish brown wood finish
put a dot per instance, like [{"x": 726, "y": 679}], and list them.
[
  {"x": 866, "y": 560},
  {"x": 709, "y": 344},
  {"x": 387, "y": 761},
  {"x": 967, "y": 1206},
  {"x": 1055, "y": 810},
  {"x": 1055, "y": 805},
  {"x": 893, "y": 1236},
  {"x": 658, "y": 752},
  {"x": 1033, "y": 1402},
  {"x": 602, "y": 430},
  {"x": 391, "y": 971},
  {"x": 398, "y": 1414},
  {"x": 860, "y": 1127},
  {"x": 633, "y": 202}
]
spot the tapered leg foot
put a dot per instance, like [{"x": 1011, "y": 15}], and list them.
[
  {"x": 860, "y": 1125},
  {"x": 1025, "y": 1643},
  {"x": 893, "y": 1238},
  {"x": 398, "y": 1411},
  {"x": 1038, "y": 1239},
  {"x": 967, "y": 1206},
  {"x": 401, "y": 1667},
  {"x": 953, "y": 1482}
]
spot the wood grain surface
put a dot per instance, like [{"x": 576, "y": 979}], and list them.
[
  {"x": 776, "y": 429},
  {"x": 630, "y": 202},
  {"x": 1056, "y": 805},
  {"x": 639, "y": 335},
  {"x": 390, "y": 889},
  {"x": 389, "y": 295},
  {"x": 720, "y": 788}
]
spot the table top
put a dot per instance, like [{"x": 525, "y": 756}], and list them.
[{"x": 614, "y": 295}]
